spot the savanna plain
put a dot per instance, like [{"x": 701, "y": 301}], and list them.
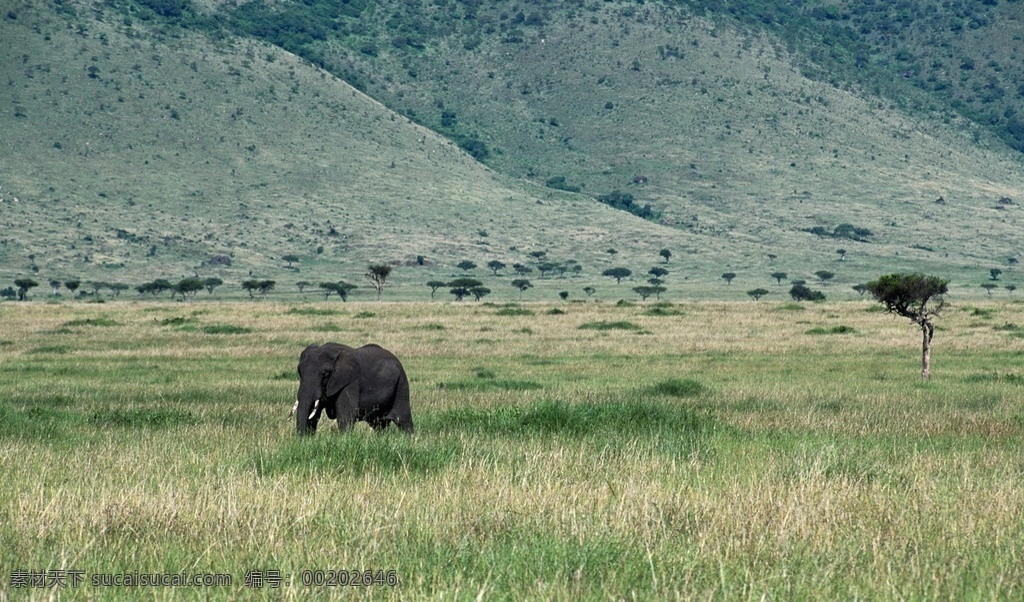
[{"x": 571, "y": 451}]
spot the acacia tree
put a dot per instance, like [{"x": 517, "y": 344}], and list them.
[
  {"x": 340, "y": 288},
  {"x": 479, "y": 292},
  {"x": 666, "y": 254},
  {"x": 779, "y": 277},
  {"x": 23, "y": 285},
  {"x": 378, "y": 275},
  {"x": 908, "y": 295},
  {"x": 495, "y": 266},
  {"x": 213, "y": 282},
  {"x": 188, "y": 287},
  {"x": 460, "y": 287},
  {"x": 522, "y": 284},
  {"x": 434, "y": 285},
  {"x": 617, "y": 273}
]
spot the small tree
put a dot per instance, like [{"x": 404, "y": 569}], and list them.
[
  {"x": 251, "y": 286},
  {"x": 117, "y": 287},
  {"x": 290, "y": 258},
  {"x": 757, "y": 293},
  {"x": 72, "y": 285},
  {"x": 666, "y": 254},
  {"x": 521, "y": 269},
  {"x": 343, "y": 289},
  {"x": 658, "y": 272},
  {"x": 824, "y": 276},
  {"x": 301, "y": 284},
  {"x": 495, "y": 266},
  {"x": 434, "y": 285},
  {"x": 265, "y": 286},
  {"x": 617, "y": 273},
  {"x": 988, "y": 286},
  {"x": 995, "y": 273},
  {"x": 589, "y": 290},
  {"x": 212, "y": 283},
  {"x": 908, "y": 295},
  {"x": 55, "y": 285},
  {"x": 842, "y": 254},
  {"x": 546, "y": 266},
  {"x": 728, "y": 277},
  {"x": 647, "y": 291},
  {"x": 378, "y": 275},
  {"x": 564, "y": 295},
  {"x": 23, "y": 285},
  {"x": 860, "y": 288},
  {"x": 466, "y": 266},
  {"x": 479, "y": 292},
  {"x": 460, "y": 287},
  {"x": 188, "y": 287},
  {"x": 521, "y": 284},
  {"x": 1010, "y": 288},
  {"x": 779, "y": 277},
  {"x": 800, "y": 292}
]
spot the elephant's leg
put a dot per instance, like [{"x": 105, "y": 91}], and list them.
[
  {"x": 347, "y": 407},
  {"x": 401, "y": 411},
  {"x": 380, "y": 423},
  {"x": 402, "y": 417}
]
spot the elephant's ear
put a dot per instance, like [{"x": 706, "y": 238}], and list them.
[{"x": 346, "y": 371}]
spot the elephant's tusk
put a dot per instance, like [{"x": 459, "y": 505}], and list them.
[
  {"x": 316, "y": 406},
  {"x": 294, "y": 408}
]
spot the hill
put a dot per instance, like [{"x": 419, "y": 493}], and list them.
[
  {"x": 145, "y": 140},
  {"x": 133, "y": 153}
]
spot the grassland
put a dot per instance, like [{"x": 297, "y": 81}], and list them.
[{"x": 706, "y": 450}]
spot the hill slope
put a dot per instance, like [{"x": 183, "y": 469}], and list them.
[
  {"x": 132, "y": 154},
  {"x": 139, "y": 150}
]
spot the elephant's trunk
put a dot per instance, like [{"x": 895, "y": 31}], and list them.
[{"x": 307, "y": 414}]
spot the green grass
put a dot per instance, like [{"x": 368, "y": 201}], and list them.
[
  {"x": 758, "y": 462},
  {"x": 611, "y": 325},
  {"x": 837, "y": 329},
  {"x": 225, "y": 329}
]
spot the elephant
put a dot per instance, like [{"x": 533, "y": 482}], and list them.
[{"x": 368, "y": 383}]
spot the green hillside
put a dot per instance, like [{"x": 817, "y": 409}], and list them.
[{"x": 143, "y": 140}]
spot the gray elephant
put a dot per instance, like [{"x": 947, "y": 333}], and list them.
[{"x": 349, "y": 384}]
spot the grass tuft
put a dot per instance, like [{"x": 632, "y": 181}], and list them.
[
  {"x": 611, "y": 325},
  {"x": 513, "y": 310},
  {"x": 313, "y": 311},
  {"x": 679, "y": 387},
  {"x": 91, "y": 322},
  {"x": 226, "y": 329},
  {"x": 839, "y": 329},
  {"x": 790, "y": 307}
]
